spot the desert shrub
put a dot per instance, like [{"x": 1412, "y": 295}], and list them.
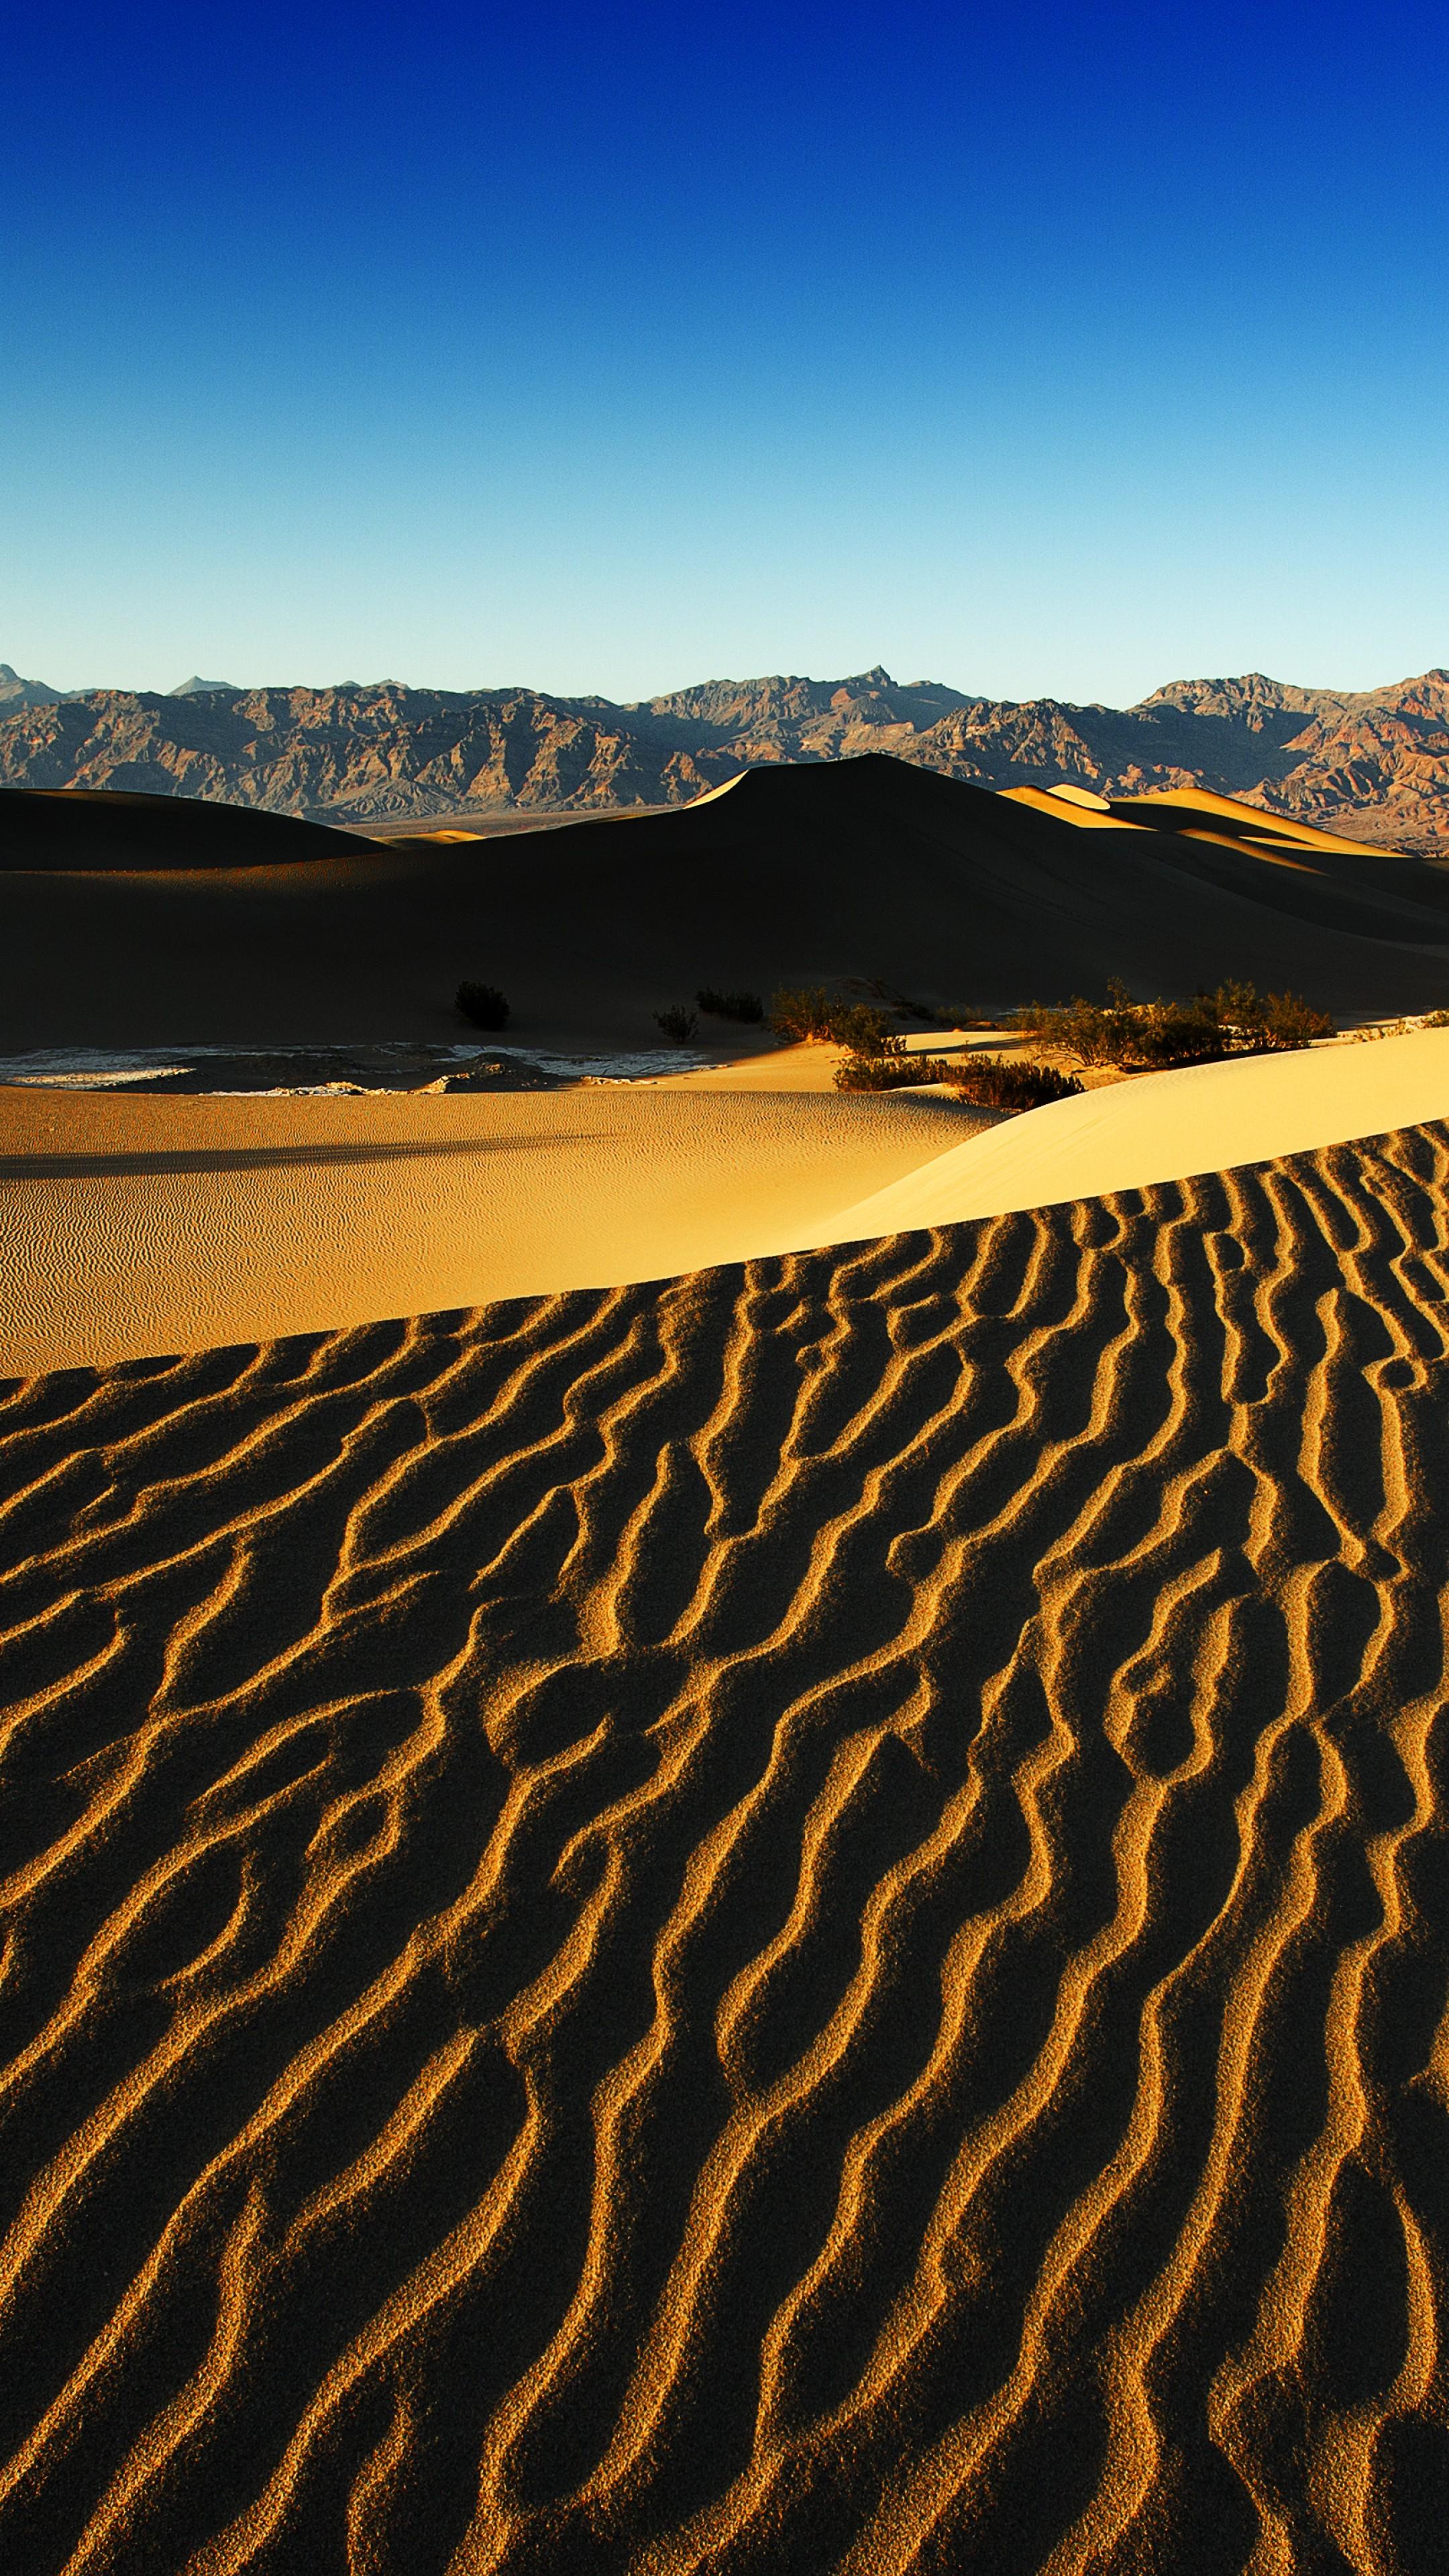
[
  {"x": 1164, "y": 1034},
  {"x": 808, "y": 1012},
  {"x": 864, "y": 1029},
  {"x": 1253, "y": 1023},
  {"x": 996, "y": 1082},
  {"x": 890, "y": 1072},
  {"x": 730, "y": 1006},
  {"x": 1435, "y": 1020},
  {"x": 1152, "y": 1036},
  {"x": 678, "y": 1023},
  {"x": 1292, "y": 1022},
  {"x": 1097, "y": 1033},
  {"x": 800, "y": 1011},
  {"x": 483, "y": 1004}
]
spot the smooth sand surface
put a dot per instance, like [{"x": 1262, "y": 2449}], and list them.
[
  {"x": 1254, "y": 821},
  {"x": 131, "y": 1227},
  {"x": 1167, "y": 1126},
  {"x": 136, "y": 1225},
  {"x": 794, "y": 1922}
]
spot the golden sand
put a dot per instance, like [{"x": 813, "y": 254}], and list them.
[
  {"x": 791, "y": 1921},
  {"x": 136, "y": 1225}
]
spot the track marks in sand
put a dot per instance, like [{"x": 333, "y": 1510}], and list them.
[{"x": 793, "y": 1920}]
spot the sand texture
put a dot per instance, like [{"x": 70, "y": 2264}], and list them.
[
  {"x": 130, "y": 1226},
  {"x": 791, "y": 1921},
  {"x": 134, "y": 1225}
]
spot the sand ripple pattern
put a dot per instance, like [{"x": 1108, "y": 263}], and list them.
[{"x": 795, "y": 1921}]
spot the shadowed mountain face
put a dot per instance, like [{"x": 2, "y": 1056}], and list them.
[
  {"x": 868, "y": 868},
  {"x": 1376, "y": 760}
]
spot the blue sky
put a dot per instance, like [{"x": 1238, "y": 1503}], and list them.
[{"x": 1042, "y": 350}]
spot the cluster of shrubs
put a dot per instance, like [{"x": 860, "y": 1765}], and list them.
[
  {"x": 730, "y": 1006},
  {"x": 1147, "y": 1037},
  {"x": 997, "y": 1082},
  {"x": 1136, "y": 1037},
  {"x": 878, "y": 1059},
  {"x": 891, "y": 1071},
  {"x": 680, "y": 1023},
  {"x": 992, "y": 1081},
  {"x": 807, "y": 1011},
  {"x": 483, "y": 1004}
]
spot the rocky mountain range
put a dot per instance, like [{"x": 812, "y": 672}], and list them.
[{"x": 1372, "y": 763}]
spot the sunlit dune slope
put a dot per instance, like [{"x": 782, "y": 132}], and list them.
[
  {"x": 1187, "y": 808},
  {"x": 1205, "y": 1118},
  {"x": 864, "y": 867},
  {"x": 794, "y": 1921},
  {"x": 130, "y": 1226},
  {"x": 1319, "y": 877},
  {"x": 133, "y": 1225}
]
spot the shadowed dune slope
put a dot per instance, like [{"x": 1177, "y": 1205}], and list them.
[
  {"x": 106, "y": 828},
  {"x": 793, "y": 1921},
  {"x": 863, "y": 867}
]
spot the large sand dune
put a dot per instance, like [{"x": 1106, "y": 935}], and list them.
[
  {"x": 135, "y": 1225},
  {"x": 794, "y": 1921},
  {"x": 106, "y": 830},
  {"x": 859, "y": 868},
  {"x": 131, "y": 1226}
]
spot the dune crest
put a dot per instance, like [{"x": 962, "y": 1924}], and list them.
[{"x": 793, "y": 1919}]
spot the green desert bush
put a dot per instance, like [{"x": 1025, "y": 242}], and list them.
[
  {"x": 1142, "y": 1037},
  {"x": 678, "y": 1023},
  {"x": 890, "y": 1072},
  {"x": 807, "y": 1011},
  {"x": 1288, "y": 1021},
  {"x": 483, "y": 1004},
  {"x": 730, "y": 1006},
  {"x": 997, "y": 1082},
  {"x": 864, "y": 1029},
  {"x": 800, "y": 1011}
]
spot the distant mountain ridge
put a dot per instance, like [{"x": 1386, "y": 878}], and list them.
[{"x": 1374, "y": 762}]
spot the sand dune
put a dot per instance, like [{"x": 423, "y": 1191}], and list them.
[
  {"x": 107, "y": 830},
  {"x": 130, "y": 1226},
  {"x": 788, "y": 1922},
  {"x": 866, "y": 868},
  {"x": 769, "y": 1894},
  {"x": 136, "y": 1225},
  {"x": 1197, "y": 805},
  {"x": 1167, "y": 1127}
]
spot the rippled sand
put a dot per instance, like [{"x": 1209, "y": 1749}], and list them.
[{"x": 788, "y": 1921}]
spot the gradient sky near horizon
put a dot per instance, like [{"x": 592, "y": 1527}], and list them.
[{"x": 1047, "y": 350}]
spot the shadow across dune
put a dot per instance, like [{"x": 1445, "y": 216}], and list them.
[{"x": 210, "y": 1160}]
